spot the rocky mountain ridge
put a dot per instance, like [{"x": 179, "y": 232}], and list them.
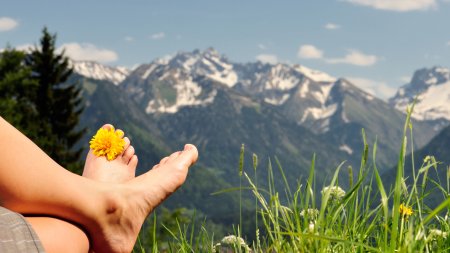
[{"x": 188, "y": 84}]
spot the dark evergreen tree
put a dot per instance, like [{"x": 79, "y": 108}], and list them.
[
  {"x": 18, "y": 93},
  {"x": 58, "y": 102}
]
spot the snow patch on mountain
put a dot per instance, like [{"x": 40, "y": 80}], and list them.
[
  {"x": 275, "y": 101},
  {"x": 187, "y": 94},
  {"x": 344, "y": 115},
  {"x": 98, "y": 71},
  {"x": 434, "y": 103},
  {"x": 279, "y": 79},
  {"x": 324, "y": 94},
  {"x": 304, "y": 89},
  {"x": 207, "y": 63},
  {"x": 432, "y": 89},
  {"x": 322, "y": 110},
  {"x": 149, "y": 71},
  {"x": 315, "y": 75},
  {"x": 319, "y": 112}
]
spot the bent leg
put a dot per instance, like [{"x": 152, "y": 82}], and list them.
[
  {"x": 57, "y": 235},
  {"x": 32, "y": 183},
  {"x": 112, "y": 214}
]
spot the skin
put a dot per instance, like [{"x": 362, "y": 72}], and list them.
[
  {"x": 72, "y": 238},
  {"x": 111, "y": 213}
]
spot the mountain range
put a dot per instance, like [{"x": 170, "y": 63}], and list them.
[{"x": 285, "y": 114}]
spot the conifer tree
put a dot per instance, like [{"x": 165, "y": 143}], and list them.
[
  {"x": 18, "y": 95},
  {"x": 58, "y": 102}
]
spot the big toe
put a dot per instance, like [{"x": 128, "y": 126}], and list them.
[{"x": 189, "y": 155}]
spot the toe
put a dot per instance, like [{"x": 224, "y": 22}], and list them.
[
  {"x": 189, "y": 155},
  {"x": 173, "y": 156},
  {"x": 133, "y": 164},
  {"x": 128, "y": 154},
  {"x": 164, "y": 160},
  {"x": 120, "y": 133},
  {"x": 127, "y": 144},
  {"x": 108, "y": 126}
]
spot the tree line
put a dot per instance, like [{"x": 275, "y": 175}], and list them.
[{"x": 37, "y": 99}]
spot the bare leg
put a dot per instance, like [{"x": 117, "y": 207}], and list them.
[
  {"x": 57, "y": 235},
  {"x": 71, "y": 238},
  {"x": 112, "y": 214}
]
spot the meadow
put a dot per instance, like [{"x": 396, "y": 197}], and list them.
[{"x": 367, "y": 216}]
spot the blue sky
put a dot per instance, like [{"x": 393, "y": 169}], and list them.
[{"x": 377, "y": 44}]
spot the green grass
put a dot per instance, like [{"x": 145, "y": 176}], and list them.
[{"x": 364, "y": 217}]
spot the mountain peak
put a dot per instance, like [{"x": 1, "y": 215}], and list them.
[
  {"x": 434, "y": 75},
  {"x": 208, "y": 63},
  {"x": 431, "y": 87},
  {"x": 98, "y": 71},
  {"x": 315, "y": 75}
]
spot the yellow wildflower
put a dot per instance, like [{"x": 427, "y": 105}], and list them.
[
  {"x": 405, "y": 211},
  {"x": 107, "y": 142}
]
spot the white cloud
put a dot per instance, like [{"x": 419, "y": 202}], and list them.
[
  {"x": 355, "y": 57},
  {"x": 7, "y": 24},
  {"x": 267, "y": 58},
  {"x": 397, "y": 5},
  {"x": 262, "y": 46},
  {"x": 332, "y": 26},
  {"x": 88, "y": 52},
  {"x": 448, "y": 43},
  {"x": 377, "y": 88},
  {"x": 309, "y": 52},
  {"x": 24, "y": 47},
  {"x": 158, "y": 36}
]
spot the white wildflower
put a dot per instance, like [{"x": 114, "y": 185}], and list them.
[
  {"x": 311, "y": 227},
  {"x": 436, "y": 234},
  {"x": 230, "y": 243},
  {"x": 335, "y": 192}
]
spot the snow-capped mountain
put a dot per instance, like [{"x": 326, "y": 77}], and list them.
[
  {"x": 326, "y": 106},
  {"x": 307, "y": 97},
  {"x": 276, "y": 83},
  {"x": 166, "y": 85},
  {"x": 192, "y": 78},
  {"x": 432, "y": 89},
  {"x": 98, "y": 71}
]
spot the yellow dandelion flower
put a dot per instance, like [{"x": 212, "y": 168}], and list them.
[
  {"x": 107, "y": 142},
  {"x": 405, "y": 210}
]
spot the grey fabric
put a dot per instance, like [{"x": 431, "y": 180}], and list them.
[{"x": 16, "y": 234}]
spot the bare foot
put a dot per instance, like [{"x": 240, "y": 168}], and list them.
[
  {"x": 128, "y": 204},
  {"x": 119, "y": 170}
]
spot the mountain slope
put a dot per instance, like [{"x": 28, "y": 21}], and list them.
[
  {"x": 357, "y": 110},
  {"x": 218, "y": 138},
  {"x": 232, "y": 119}
]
